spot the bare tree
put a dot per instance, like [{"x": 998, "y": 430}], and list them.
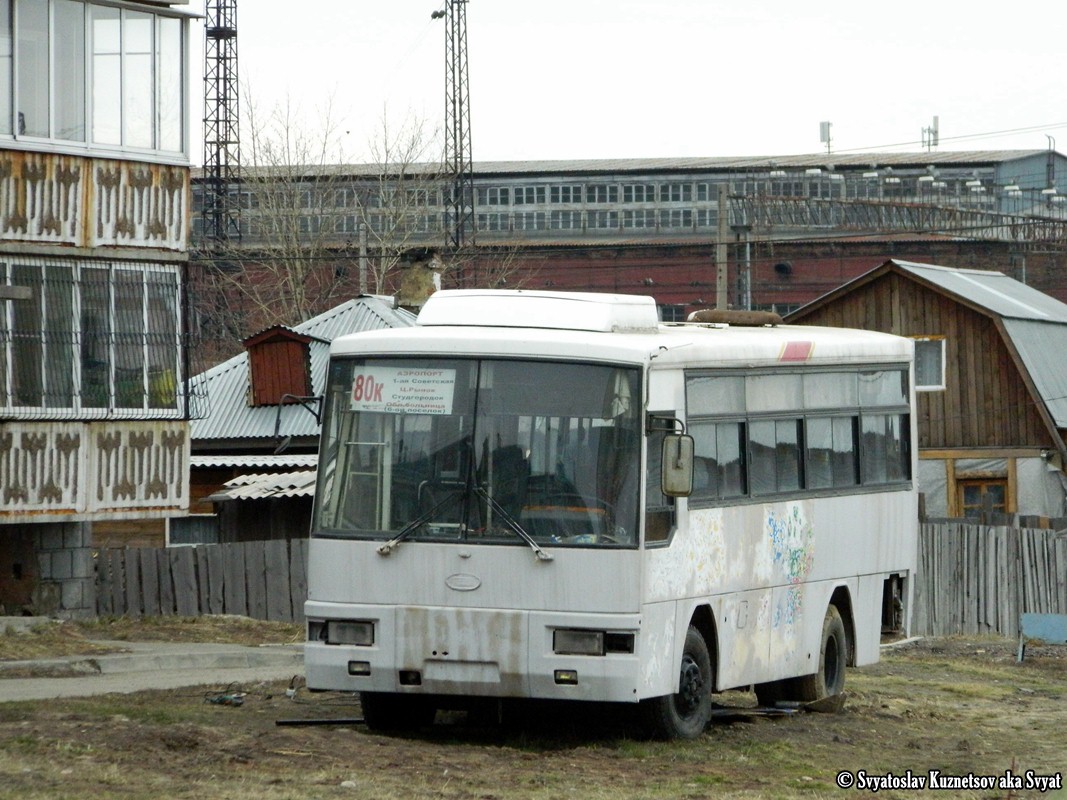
[{"x": 317, "y": 230}]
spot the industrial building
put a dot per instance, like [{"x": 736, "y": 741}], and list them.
[{"x": 794, "y": 227}]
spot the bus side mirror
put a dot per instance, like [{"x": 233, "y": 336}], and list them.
[{"x": 676, "y": 473}]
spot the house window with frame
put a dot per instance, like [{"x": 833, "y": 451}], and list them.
[
  {"x": 978, "y": 495},
  {"x": 96, "y": 74},
  {"x": 929, "y": 363},
  {"x": 92, "y": 337}
]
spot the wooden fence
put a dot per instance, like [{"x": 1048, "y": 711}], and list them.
[
  {"x": 978, "y": 579},
  {"x": 972, "y": 579},
  {"x": 263, "y": 580}
]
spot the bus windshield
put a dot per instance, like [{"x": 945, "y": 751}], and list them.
[{"x": 495, "y": 451}]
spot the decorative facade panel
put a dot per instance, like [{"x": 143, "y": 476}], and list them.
[
  {"x": 42, "y": 197},
  {"x": 139, "y": 205},
  {"x": 71, "y": 471},
  {"x": 54, "y": 199}
]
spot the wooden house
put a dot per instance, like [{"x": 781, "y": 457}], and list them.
[{"x": 990, "y": 379}]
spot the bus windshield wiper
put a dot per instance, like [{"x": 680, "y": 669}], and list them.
[
  {"x": 513, "y": 523},
  {"x": 413, "y": 526}
]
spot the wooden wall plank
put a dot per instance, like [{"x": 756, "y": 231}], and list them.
[
  {"x": 279, "y": 603},
  {"x": 256, "y": 575},
  {"x": 183, "y": 571},
  {"x": 298, "y": 576},
  {"x": 203, "y": 578},
  {"x": 216, "y": 579},
  {"x": 167, "y": 606},
  {"x": 235, "y": 597},
  {"x": 105, "y": 581},
  {"x": 116, "y": 558},
  {"x": 149, "y": 581}
]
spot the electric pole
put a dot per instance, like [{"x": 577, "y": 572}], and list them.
[
  {"x": 220, "y": 209},
  {"x": 460, "y": 205}
]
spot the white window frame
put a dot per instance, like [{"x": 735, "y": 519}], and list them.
[
  {"x": 78, "y": 409},
  {"x": 51, "y": 142},
  {"x": 929, "y": 387}
]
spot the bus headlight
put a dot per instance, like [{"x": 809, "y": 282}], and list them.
[
  {"x": 578, "y": 643},
  {"x": 353, "y": 632}
]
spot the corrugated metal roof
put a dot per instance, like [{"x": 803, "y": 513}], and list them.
[
  {"x": 225, "y": 387},
  {"x": 946, "y": 158},
  {"x": 1042, "y": 346},
  {"x": 994, "y": 291},
  {"x": 263, "y": 487},
  {"x": 260, "y": 461}
]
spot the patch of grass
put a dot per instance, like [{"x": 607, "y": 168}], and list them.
[
  {"x": 48, "y": 640},
  {"x": 97, "y": 636}
]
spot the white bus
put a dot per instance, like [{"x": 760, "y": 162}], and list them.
[{"x": 554, "y": 495}]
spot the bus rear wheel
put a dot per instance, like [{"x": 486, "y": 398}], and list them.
[
  {"x": 827, "y": 682},
  {"x": 386, "y": 711},
  {"x": 685, "y": 714}
]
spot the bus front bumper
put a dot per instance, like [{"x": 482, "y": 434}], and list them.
[{"x": 473, "y": 652}]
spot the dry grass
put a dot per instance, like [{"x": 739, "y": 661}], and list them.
[
  {"x": 57, "y": 639},
  {"x": 955, "y": 705}
]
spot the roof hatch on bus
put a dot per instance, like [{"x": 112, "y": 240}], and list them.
[{"x": 515, "y": 308}]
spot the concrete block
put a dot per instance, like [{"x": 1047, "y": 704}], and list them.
[
  {"x": 62, "y": 568},
  {"x": 82, "y": 563},
  {"x": 50, "y": 537},
  {"x": 77, "y": 534},
  {"x": 74, "y": 596}
]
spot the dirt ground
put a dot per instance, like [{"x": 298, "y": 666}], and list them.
[{"x": 958, "y": 708}]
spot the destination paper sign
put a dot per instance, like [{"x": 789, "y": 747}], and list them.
[{"x": 400, "y": 390}]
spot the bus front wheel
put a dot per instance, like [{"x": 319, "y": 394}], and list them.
[{"x": 686, "y": 714}]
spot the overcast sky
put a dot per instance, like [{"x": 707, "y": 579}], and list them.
[{"x": 668, "y": 78}]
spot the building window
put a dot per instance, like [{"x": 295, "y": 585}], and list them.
[
  {"x": 92, "y": 337},
  {"x": 640, "y": 218},
  {"x": 639, "y": 193},
  {"x": 676, "y": 218},
  {"x": 565, "y": 194},
  {"x": 529, "y": 195},
  {"x": 83, "y": 72},
  {"x": 603, "y": 220},
  {"x": 493, "y": 196},
  {"x": 492, "y": 222},
  {"x": 530, "y": 221},
  {"x": 566, "y": 220},
  {"x": 602, "y": 194},
  {"x": 672, "y": 313},
  {"x": 929, "y": 363},
  {"x": 981, "y": 495},
  {"x": 675, "y": 192}
]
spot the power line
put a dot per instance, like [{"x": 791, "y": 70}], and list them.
[{"x": 962, "y": 137}]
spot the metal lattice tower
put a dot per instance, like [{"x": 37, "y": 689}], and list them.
[
  {"x": 221, "y": 210},
  {"x": 460, "y": 214}
]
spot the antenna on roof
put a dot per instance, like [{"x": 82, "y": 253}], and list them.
[
  {"x": 930, "y": 136},
  {"x": 824, "y": 134}
]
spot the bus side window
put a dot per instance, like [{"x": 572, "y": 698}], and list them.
[{"x": 659, "y": 509}]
